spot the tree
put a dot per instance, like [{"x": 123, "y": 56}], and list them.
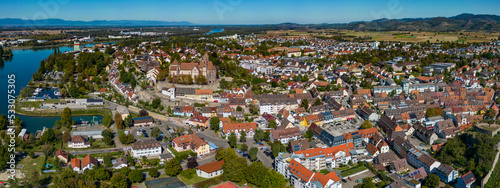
[
  {"x": 155, "y": 132},
  {"x": 232, "y": 140},
  {"x": 243, "y": 136},
  {"x": 239, "y": 109},
  {"x": 253, "y": 153},
  {"x": 156, "y": 103},
  {"x": 102, "y": 174},
  {"x": 214, "y": 123},
  {"x": 244, "y": 147},
  {"x": 143, "y": 113},
  {"x": 200, "y": 80},
  {"x": 153, "y": 172},
  {"x": 259, "y": 135},
  {"x": 119, "y": 121},
  {"x": 3, "y": 122},
  {"x": 317, "y": 102},
  {"x": 234, "y": 169},
  {"x": 47, "y": 149},
  {"x": 431, "y": 181},
  {"x": 276, "y": 148},
  {"x": 367, "y": 124},
  {"x": 119, "y": 181},
  {"x": 136, "y": 176},
  {"x": 304, "y": 104},
  {"x": 66, "y": 137},
  {"x": 173, "y": 167},
  {"x": 32, "y": 154},
  {"x": 272, "y": 124},
  {"x": 192, "y": 163},
  {"x": 127, "y": 121},
  {"x": 308, "y": 134},
  {"x": 107, "y": 119},
  {"x": 66, "y": 116}
]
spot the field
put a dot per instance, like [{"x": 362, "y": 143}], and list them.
[
  {"x": 352, "y": 170},
  {"x": 402, "y": 36}
]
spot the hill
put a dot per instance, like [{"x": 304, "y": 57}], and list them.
[{"x": 16, "y": 22}]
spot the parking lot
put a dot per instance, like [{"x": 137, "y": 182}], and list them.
[{"x": 352, "y": 182}]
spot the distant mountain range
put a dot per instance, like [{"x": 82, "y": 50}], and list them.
[
  {"x": 454, "y": 23},
  {"x": 16, "y": 22}
]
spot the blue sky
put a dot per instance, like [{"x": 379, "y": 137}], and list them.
[{"x": 241, "y": 11}]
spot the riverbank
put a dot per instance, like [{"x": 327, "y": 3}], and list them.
[
  {"x": 31, "y": 47},
  {"x": 58, "y": 112}
]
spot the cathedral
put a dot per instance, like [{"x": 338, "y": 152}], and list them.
[{"x": 205, "y": 68}]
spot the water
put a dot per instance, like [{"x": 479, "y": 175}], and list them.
[
  {"x": 218, "y": 30},
  {"x": 33, "y": 123},
  {"x": 24, "y": 63}
]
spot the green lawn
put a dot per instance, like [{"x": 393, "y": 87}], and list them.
[
  {"x": 176, "y": 153},
  {"x": 352, "y": 170},
  {"x": 189, "y": 177},
  {"x": 29, "y": 163}
]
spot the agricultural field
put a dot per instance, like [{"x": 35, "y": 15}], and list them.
[{"x": 402, "y": 36}]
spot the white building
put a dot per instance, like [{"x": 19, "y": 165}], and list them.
[
  {"x": 148, "y": 147},
  {"x": 210, "y": 170}
]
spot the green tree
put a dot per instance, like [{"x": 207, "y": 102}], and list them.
[
  {"x": 367, "y": 124},
  {"x": 259, "y": 135},
  {"x": 272, "y": 124},
  {"x": 239, "y": 109},
  {"x": 156, "y": 103},
  {"x": 173, "y": 167},
  {"x": 33, "y": 178},
  {"x": 317, "y": 102},
  {"x": 243, "y": 136},
  {"x": 153, "y": 172},
  {"x": 214, "y": 123},
  {"x": 102, "y": 174},
  {"x": 32, "y": 154},
  {"x": 66, "y": 137},
  {"x": 308, "y": 134},
  {"x": 107, "y": 120},
  {"x": 66, "y": 117},
  {"x": 3, "y": 122},
  {"x": 232, "y": 140},
  {"x": 244, "y": 147},
  {"x": 234, "y": 169},
  {"x": 155, "y": 132},
  {"x": 128, "y": 121},
  {"x": 304, "y": 104},
  {"x": 253, "y": 153},
  {"x": 119, "y": 121},
  {"x": 119, "y": 181},
  {"x": 431, "y": 181},
  {"x": 136, "y": 176}
]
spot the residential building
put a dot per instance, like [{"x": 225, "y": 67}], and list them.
[
  {"x": 466, "y": 181},
  {"x": 62, "y": 156},
  {"x": 210, "y": 170},
  {"x": 237, "y": 128},
  {"x": 120, "y": 163},
  {"x": 148, "y": 147},
  {"x": 78, "y": 141},
  {"x": 419, "y": 159},
  {"x": 301, "y": 177},
  {"x": 143, "y": 121},
  {"x": 285, "y": 135},
  {"x": 446, "y": 173},
  {"x": 191, "y": 142}
]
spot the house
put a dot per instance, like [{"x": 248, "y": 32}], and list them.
[
  {"x": 301, "y": 177},
  {"x": 88, "y": 163},
  {"x": 204, "y": 68},
  {"x": 200, "y": 121},
  {"x": 297, "y": 145},
  {"x": 424, "y": 134},
  {"x": 120, "y": 163},
  {"x": 210, "y": 170},
  {"x": 446, "y": 173},
  {"x": 237, "y": 128},
  {"x": 143, "y": 121},
  {"x": 418, "y": 174},
  {"x": 78, "y": 141},
  {"x": 419, "y": 159},
  {"x": 204, "y": 95},
  {"x": 62, "y": 155},
  {"x": 209, "y": 111},
  {"x": 372, "y": 150},
  {"x": 285, "y": 135},
  {"x": 400, "y": 165},
  {"x": 191, "y": 142},
  {"x": 388, "y": 125},
  {"x": 166, "y": 157},
  {"x": 366, "y": 112},
  {"x": 466, "y": 181},
  {"x": 321, "y": 158},
  {"x": 76, "y": 164},
  {"x": 385, "y": 158},
  {"x": 147, "y": 147}
]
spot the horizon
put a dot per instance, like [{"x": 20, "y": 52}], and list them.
[{"x": 237, "y": 12}]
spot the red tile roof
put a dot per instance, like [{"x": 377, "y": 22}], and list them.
[{"x": 211, "y": 167}]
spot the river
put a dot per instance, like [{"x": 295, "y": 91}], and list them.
[{"x": 24, "y": 63}]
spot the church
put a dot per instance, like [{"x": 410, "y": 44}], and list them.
[{"x": 205, "y": 68}]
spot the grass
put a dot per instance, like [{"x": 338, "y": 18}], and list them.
[
  {"x": 58, "y": 112},
  {"x": 176, "y": 153},
  {"x": 189, "y": 177},
  {"x": 352, "y": 170},
  {"x": 28, "y": 163},
  {"x": 460, "y": 40}
]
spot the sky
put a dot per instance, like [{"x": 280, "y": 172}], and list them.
[{"x": 243, "y": 11}]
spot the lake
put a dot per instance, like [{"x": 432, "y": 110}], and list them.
[
  {"x": 24, "y": 63},
  {"x": 218, "y": 30}
]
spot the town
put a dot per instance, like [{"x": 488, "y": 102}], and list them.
[{"x": 286, "y": 105}]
